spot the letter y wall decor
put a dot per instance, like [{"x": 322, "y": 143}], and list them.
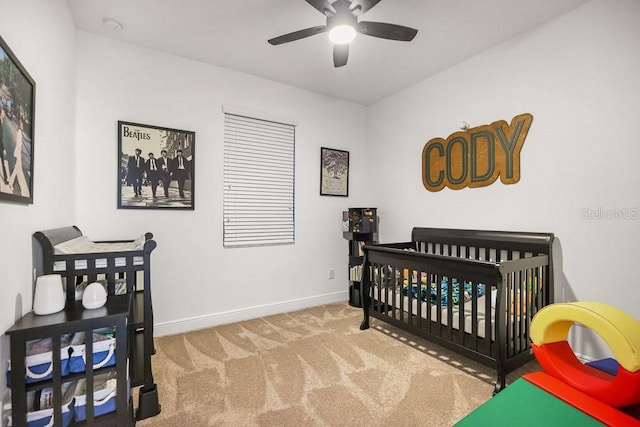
[{"x": 476, "y": 157}]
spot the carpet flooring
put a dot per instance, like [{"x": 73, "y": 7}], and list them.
[{"x": 313, "y": 367}]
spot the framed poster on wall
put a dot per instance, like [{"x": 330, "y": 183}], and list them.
[
  {"x": 334, "y": 172},
  {"x": 17, "y": 124},
  {"x": 155, "y": 167}
]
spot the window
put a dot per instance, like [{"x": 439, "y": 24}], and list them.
[{"x": 258, "y": 181}]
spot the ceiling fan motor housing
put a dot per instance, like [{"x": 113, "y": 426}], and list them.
[{"x": 339, "y": 18}]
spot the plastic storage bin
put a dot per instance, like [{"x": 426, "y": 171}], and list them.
[
  {"x": 40, "y": 410},
  {"x": 39, "y": 360},
  {"x": 104, "y": 347},
  {"x": 104, "y": 396}
]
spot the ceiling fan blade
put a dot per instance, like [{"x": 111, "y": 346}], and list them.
[
  {"x": 322, "y": 6},
  {"x": 297, "y": 35},
  {"x": 340, "y": 54},
  {"x": 387, "y": 31},
  {"x": 359, "y": 7}
]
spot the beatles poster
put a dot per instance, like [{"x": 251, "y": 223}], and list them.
[{"x": 155, "y": 167}]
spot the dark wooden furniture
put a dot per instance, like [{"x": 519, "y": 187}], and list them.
[
  {"x": 74, "y": 318},
  {"x": 508, "y": 277},
  {"x": 132, "y": 267},
  {"x": 361, "y": 228},
  {"x": 356, "y": 263}
]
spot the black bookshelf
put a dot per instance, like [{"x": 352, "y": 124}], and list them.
[
  {"x": 73, "y": 318},
  {"x": 360, "y": 228}
]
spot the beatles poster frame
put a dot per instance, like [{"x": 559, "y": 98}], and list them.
[
  {"x": 174, "y": 180},
  {"x": 334, "y": 172},
  {"x": 17, "y": 99}
]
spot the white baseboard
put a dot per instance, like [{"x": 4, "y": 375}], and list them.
[{"x": 215, "y": 319}]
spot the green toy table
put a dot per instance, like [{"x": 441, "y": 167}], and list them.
[{"x": 524, "y": 404}]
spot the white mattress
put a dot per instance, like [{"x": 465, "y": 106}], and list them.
[{"x": 83, "y": 245}]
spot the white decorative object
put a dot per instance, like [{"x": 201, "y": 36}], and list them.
[
  {"x": 49, "y": 295},
  {"x": 95, "y": 295}
]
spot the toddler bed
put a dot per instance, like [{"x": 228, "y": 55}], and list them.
[
  {"x": 123, "y": 267},
  {"x": 473, "y": 292}
]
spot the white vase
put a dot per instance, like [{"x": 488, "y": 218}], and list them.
[
  {"x": 49, "y": 295},
  {"x": 95, "y": 296}
]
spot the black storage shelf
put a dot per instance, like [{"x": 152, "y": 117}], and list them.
[
  {"x": 137, "y": 310},
  {"x": 131, "y": 267},
  {"x": 74, "y": 318},
  {"x": 360, "y": 227},
  {"x": 358, "y": 236},
  {"x": 72, "y": 376},
  {"x": 355, "y": 260},
  {"x": 136, "y": 359},
  {"x": 106, "y": 420}
]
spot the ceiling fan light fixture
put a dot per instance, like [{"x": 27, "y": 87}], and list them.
[{"x": 342, "y": 34}]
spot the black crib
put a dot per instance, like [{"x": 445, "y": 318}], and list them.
[{"x": 471, "y": 291}]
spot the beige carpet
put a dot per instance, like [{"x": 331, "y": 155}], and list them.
[{"x": 312, "y": 368}]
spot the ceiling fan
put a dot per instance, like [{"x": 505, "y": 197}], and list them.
[{"x": 342, "y": 24}]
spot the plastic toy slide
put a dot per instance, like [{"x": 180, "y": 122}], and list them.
[{"x": 621, "y": 331}]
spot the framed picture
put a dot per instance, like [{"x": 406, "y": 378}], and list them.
[
  {"x": 334, "y": 172},
  {"x": 155, "y": 167},
  {"x": 17, "y": 123}
]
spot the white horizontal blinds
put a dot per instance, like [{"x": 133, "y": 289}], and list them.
[{"x": 258, "y": 182}]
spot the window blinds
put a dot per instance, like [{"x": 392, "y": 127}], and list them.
[{"x": 258, "y": 182}]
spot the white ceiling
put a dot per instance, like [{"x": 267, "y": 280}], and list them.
[{"x": 233, "y": 34}]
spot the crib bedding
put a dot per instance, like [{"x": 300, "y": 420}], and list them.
[
  {"x": 480, "y": 317},
  {"x": 430, "y": 293},
  {"x": 446, "y": 286},
  {"x": 421, "y": 308}
]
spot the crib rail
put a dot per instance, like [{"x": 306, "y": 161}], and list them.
[
  {"x": 109, "y": 266},
  {"x": 391, "y": 272},
  {"x": 518, "y": 241},
  {"x": 131, "y": 266}
]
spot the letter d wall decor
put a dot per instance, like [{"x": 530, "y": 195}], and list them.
[{"x": 476, "y": 157}]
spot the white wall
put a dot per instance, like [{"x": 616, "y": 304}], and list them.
[
  {"x": 578, "y": 76},
  {"x": 196, "y": 282},
  {"x": 42, "y": 36}
]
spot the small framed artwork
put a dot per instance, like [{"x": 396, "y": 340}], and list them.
[
  {"x": 334, "y": 172},
  {"x": 17, "y": 124},
  {"x": 155, "y": 167}
]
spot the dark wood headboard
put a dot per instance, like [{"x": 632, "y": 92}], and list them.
[{"x": 43, "y": 243}]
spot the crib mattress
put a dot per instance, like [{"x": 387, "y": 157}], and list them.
[{"x": 83, "y": 245}]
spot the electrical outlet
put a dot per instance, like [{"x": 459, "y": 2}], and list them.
[{"x": 332, "y": 273}]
